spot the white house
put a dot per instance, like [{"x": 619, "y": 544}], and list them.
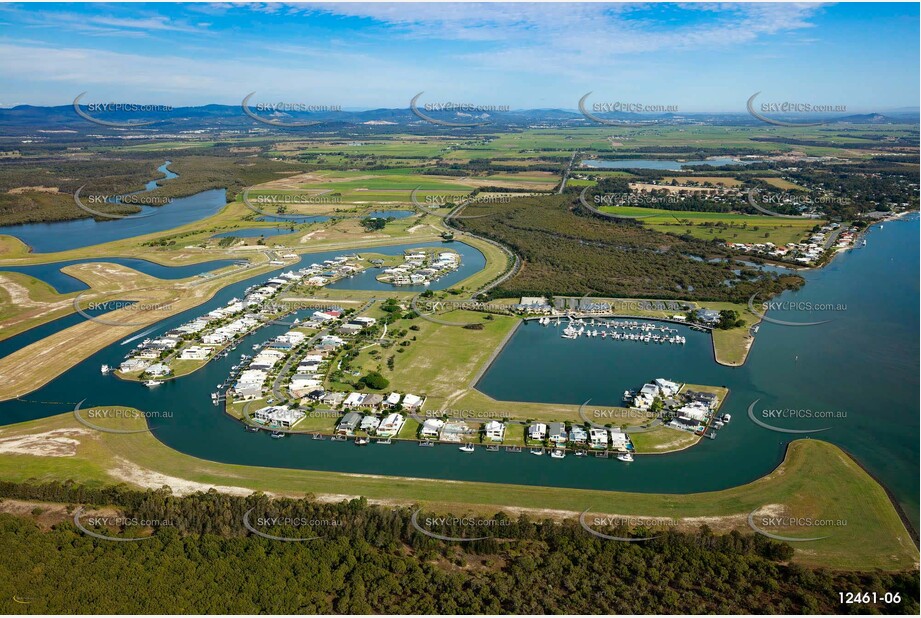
[
  {"x": 354, "y": 400},
  {"x": 369, "y": 423},
  {"x": 666, "y": 387},
  {"x": 494, "y": 431},
  {"x": 578, "y": 435},
  {"x": 537, "y": 431},
  {"x": 158, "y": 370},
  {"x": 391, "y": 425},
  {"x": 195, "y": 352},
  {"x": 412, "y": 402},
  {"x": 618, "y": 440},
  {"x": 431, "y": 428},
  {"x": 392, "y": 400},
  {"x": 281, "y": 416},
  {"x": 598, "y": 438}
]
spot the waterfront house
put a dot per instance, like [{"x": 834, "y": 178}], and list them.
[
  {"x": 391, "y": 425},
  {"x": 708, "y": 399},
  {"x": 455, "y": 431},
  {"x": 279, "y": 416},
  {"x": 533, "y": 304},
  {"x": 247, "y": 393},
  {"x": 133, "y": 364},
  {"x": 557, "y": 433},
  {"x": 708, "y": 316},
  {"x": 195, "y": 352},
  {"x": 431, "y": 428},
  {"x": 494, "y": 431},
  {"x": 598, "y": 438},
  {"x": 369, "y": 423},
  {"x": 158, "y": 370},
  {"x": 667, "y": 388},
  {"x": 618, "y": 440},
  {"x": 537, "y": 431},
  {"x": 578, "y": 435},
  {"x": 348, "y": 424}
]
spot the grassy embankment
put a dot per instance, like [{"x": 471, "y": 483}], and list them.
[{"x": 816, "y": 480}]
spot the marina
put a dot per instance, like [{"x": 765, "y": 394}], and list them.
[{"x": 538, "y": 365}]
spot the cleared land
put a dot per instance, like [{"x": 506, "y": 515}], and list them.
[
  {"x": 816, "y": 480},
  {"x": 730, "y": 227}
]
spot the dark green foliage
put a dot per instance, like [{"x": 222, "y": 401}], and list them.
[
  {"x": 564, "y": 253},
  {"x": 375, "y": 380},
  {"x": 371, "y": 559}
]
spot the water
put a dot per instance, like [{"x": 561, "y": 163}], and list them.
[
  {"x": 658, "y": 164},
  {"x": 63, "y": 283},
  {"x": 66, "y": 235},
  {"x": 864, "y": 362},
  {"x": 472, "y": 261}
]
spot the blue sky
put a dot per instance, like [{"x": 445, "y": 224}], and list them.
[{"x": 697, "y": 57}]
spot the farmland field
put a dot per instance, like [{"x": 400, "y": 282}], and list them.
[{"x": 731, "y": 227}]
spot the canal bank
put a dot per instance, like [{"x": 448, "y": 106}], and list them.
[{"x": 792, "y": 367}]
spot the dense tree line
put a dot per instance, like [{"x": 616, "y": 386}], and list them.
[
  {"x": 371, "y": 559},
  {"x": 565, "y": 253}
]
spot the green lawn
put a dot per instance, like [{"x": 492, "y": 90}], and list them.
[{"x": 816, "y": 480}]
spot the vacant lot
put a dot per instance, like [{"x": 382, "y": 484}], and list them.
[{"x": 731, "y": 227}]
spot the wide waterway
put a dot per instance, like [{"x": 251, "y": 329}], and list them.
[
  {"x": 862, "y": 365},
  {"x": 66, "y": 235},
  {"x": 63, "y": 283},
  {"x": 864, "y": 362}
]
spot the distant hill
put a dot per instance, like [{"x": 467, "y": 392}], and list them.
[{"x": 29, "y": 120}]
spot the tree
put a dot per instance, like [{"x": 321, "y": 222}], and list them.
[{"x": 375, "y": 380}]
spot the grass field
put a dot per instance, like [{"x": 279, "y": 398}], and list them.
[
  {"x": 816, "y": 480},
  {"x": 731, "y": 227}
]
